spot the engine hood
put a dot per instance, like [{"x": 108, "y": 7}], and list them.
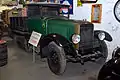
[{"x": 60, "y": 26}]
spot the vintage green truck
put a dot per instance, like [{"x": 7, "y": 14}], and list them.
[{"x": 63, "y": 40}]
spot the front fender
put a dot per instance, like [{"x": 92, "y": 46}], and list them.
[
  {"x": 59, "y": 40},
  {"x": 108, "y": 37}
]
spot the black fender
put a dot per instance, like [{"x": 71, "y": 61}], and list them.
[
  {"x": 116, "y": 53},
  {"x": 59, "y": 40},
  {"x": 111, "y": 69},
  {"x": 108, "y": 37}
]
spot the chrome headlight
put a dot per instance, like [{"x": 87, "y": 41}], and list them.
[
  {"x": 101, "y": 36},
  {"x": 76, "y": 39}
]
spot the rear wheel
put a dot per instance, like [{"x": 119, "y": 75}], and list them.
[
  {"x": 10, "y": 33},
  {"x": 22, "y": 42},
  {"x": 57, "y": 59},
  {"x": 27, "y": 46}
]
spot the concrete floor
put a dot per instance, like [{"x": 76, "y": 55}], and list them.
[{"x": 20, "y": 67}]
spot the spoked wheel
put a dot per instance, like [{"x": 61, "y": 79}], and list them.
[
  {"x": 57, "y": 59},
  {"x": 107, "y": 72},
  {"x": 104, "y": 52}
]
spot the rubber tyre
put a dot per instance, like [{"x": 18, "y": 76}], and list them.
[
  {"x": 105, "y": 72},
  {"x": 3, "y": 51},
  {"x": 103, "y": 48},
  {"x": 3, "y": 56},
  {"x": 60, "y": 67},
  {"x": 27, "y": 47},
  {"x": 3, "y": 62}
]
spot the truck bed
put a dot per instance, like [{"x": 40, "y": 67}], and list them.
[{"x": 18, "y": 23}]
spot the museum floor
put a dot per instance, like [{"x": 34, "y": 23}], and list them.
[{"x": 20, "y": 67}]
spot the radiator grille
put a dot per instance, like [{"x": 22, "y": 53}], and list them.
[{"x": 87, "y": 35}]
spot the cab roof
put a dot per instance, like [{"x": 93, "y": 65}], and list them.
[{"x": 46, "y": 4}]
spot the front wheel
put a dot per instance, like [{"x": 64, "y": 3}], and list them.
[
  {"x": 104, "y": 51},
  {"x": 57, "y": 59}
]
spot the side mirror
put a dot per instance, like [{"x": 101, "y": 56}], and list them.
[{"x": 89, "y": 1}]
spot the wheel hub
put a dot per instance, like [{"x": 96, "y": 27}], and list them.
[{"x": 54, "y": 57}]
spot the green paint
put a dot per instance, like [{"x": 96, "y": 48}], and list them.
[{"x": 47, "y": 26}]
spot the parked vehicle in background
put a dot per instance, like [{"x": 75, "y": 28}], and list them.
[
  {"x": 111, "y": 69},
  {"x": 3, "y": 53},
  {"x": 63, "y": 40}
]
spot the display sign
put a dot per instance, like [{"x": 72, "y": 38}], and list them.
[
  {"x": 67, "y": 2},
  {"x": 34, "y": 39}
]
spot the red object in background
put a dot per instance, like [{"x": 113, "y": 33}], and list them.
[{"x": 2, "y": 41}]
